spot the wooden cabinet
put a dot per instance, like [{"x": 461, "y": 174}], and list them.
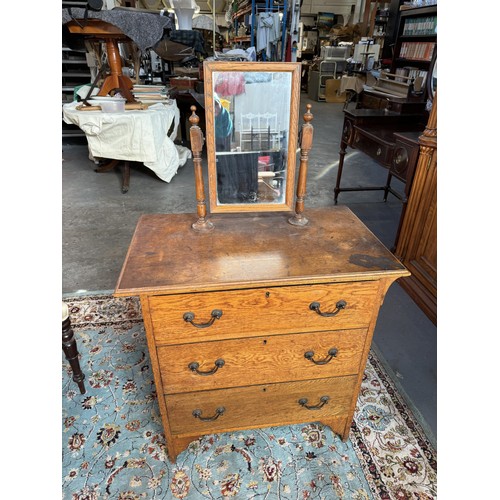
[
  {"x": 417, "y": 243},
  {"x": 259, "y": 322}
]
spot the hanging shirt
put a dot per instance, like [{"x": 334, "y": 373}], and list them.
[
  {"x": 265, "y": 32},
  {"x": 276, "y": 30}
]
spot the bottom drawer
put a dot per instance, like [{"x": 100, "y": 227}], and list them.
[{"x": 259, "y": 405}]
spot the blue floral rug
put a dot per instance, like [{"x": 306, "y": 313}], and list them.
[{"x": 114, "y": 447}]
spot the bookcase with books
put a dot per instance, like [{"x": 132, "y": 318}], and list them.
[{"x": 416, "y": 43}]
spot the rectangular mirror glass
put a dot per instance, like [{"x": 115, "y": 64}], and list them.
[{"x": 251, "y": 111}]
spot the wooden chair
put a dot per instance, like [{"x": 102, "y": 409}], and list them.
[
  {"x": 70, "y": 349},
  {"x": 259, "y": 131}
]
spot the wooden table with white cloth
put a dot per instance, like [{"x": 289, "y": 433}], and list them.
[{"x": 140, "y": 135}]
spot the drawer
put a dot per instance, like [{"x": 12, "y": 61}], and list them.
[
  {"x": 259, "y": 360},
  {"x": 259, "y": 405},
  {"x": 404, "y": 160},
  {"x": 378, "y": 150},
  {"x": 262, "y": 311}
]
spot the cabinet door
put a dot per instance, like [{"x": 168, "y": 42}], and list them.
[
  {"x": 422, "y": 252},
  {"x": 418, "y": 248}
]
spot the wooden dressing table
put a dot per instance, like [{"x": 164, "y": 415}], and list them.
[
  {"x": 259, "y": 322},
  {"x": 256, "y": 318}
]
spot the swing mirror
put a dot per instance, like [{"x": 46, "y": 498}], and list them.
[{"x": 252, "y": 114}]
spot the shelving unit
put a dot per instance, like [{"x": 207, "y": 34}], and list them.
[
  {"x": 75, "y": 72},
  {"x": 416, "y": 42},
  {"x": 380, "y": 25},
  {"x": 239, "y": 20},
  {"x": 253, "y": 9},
  {"x": 317, "y": 80}
]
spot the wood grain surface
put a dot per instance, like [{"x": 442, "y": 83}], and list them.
[
  {"x": 167, "y": 256},
  {"x": 260, "y": 405},
  {"x": 260, "y": 360}
]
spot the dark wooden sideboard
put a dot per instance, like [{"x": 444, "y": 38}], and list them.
[{"x": 388, "y": 136}]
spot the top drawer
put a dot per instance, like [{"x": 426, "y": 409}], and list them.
[{"x": 186, "y": 318}]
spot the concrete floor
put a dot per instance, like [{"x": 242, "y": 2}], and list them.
[{"x": 98, "y": 222}]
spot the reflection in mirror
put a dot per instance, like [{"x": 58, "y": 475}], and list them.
[
  {"x": 252, "y": 122},
  {"x": 432, "y": 79},
  {"x": 251, "y": 113}
]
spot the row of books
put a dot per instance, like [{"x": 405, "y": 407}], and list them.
[
  {"x": 150, "y": 94},
  {"x": 417, "y": 51},
  {"x": 411, "y": 72},
  {"x": 420, "y": 26}
]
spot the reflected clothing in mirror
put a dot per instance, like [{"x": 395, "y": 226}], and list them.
[
  {"x": 237, "y": 177},
  {"x": 223, "y": 126}
]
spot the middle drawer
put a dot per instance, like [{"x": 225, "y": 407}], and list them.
[{"x": 259, "y": 360}]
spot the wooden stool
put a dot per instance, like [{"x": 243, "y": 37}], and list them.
[{"x": 70, "y": 349}]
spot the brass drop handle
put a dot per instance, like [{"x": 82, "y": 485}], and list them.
[
  {"x": 189, "y": 318},
  {"x": 331, "y": 354},
  {"x": 315, "y": 306},
  {"x": 219, "y": 363},
  {"x": 323, "y": 401},
  {"x": 218, "y": 412}
]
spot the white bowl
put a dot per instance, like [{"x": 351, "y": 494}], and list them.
[{"x": 110, "y": 105}]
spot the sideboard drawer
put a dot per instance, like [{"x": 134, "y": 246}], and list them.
[
  {"x": 261, "y": 311},
  {"x": 278, "y": 358},
  {"x": 378, "y": 150},
  {"x": 258, "y": 405}
]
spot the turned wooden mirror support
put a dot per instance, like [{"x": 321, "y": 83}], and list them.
[
  {"x": 305, "y": 146},
  {"x": 196, "y": 136}
]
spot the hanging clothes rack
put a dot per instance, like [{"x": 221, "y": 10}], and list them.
[{"x": 269, "y": 7}]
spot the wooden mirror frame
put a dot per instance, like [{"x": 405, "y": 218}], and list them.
[{"x": 209, "y": 67}]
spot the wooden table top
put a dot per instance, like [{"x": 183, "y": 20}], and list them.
[
  {"x": 95, "y": 27},
  {"x": 244, "y": 251}
]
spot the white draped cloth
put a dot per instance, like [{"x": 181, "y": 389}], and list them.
[{"x": 133, "y": 135}]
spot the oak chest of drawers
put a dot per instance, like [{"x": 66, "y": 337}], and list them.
[{"x": 258, "y": 323}]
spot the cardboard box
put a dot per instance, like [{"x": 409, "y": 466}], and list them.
[{"x": 332, "y": 91}]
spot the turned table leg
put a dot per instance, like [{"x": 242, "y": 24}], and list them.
[
  {"x": 116, "y": 79},
  {"x": 336, "y": 191},
  {"x": 111, "y": 164},
  {"x": 70, "y": 349},
  {"x": 126, "y": 176},
  {"x": 387, "y": 186}
]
